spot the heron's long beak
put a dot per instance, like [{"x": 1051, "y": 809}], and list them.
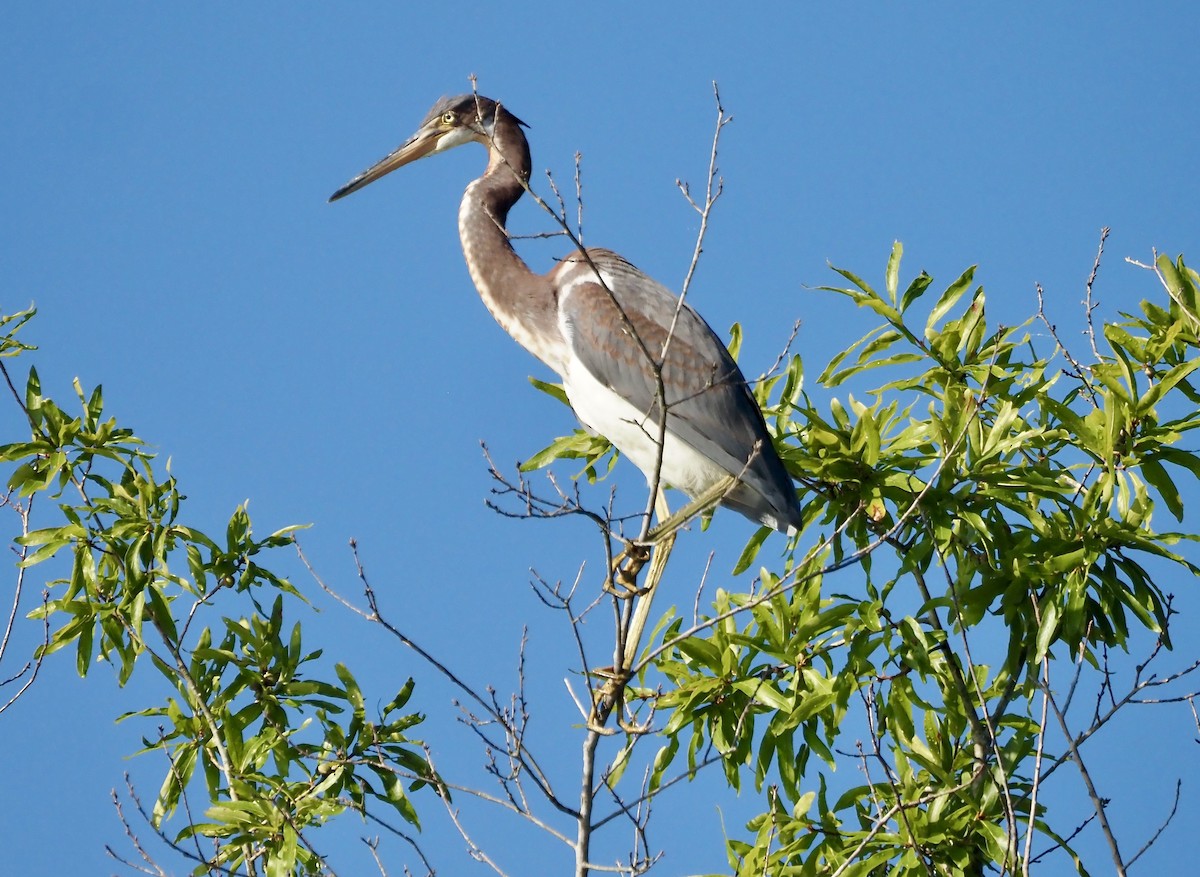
[{"x": 419, "y": 145}]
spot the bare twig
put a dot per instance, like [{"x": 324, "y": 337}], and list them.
[
  {"x": 1079, "y": 372},
  {"x": 23, "y": 511},
  {"x": 34, "y": 665},
  {"x": 473, "y": 849},
  {"x": 198, "y": 856},
  {"x": 1161, "y": 828},
  {"x": 506, "y": 722},
  {"x": 1138, "y": 685},
  {"x": 1036, "y": 783},
  {"x": 151, "y": 867},
  {"x": 1088, "y": 305},
  {"x": 787, "y": 347},
  {"x": 1098, "y": 804},
  {"x": 1065, "y": 842},
  {"x": 404, "y": 836}
]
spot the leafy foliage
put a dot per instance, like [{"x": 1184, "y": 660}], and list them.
[
  {"x": 248, "y": 720},
  {"x": 979, "y": 524},
  {"x": 579, "y": 445},
  {"x": 983, "y": 495}
]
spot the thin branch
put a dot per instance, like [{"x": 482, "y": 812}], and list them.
[
  {"x": 787, "y": 347},
  {"x": 980, "y": 719},
  {"x": 1064, "y": 842},
  {"x": 1079, "y": 372},
  {"x": 1139, "y": 685},
  {"x": 882, "y": 822},
  {"x": 1037, "y": 767},
  {"x": 1088, "y": 304},
  {"x": 714, "y": 187},
  {"x": 867, "y": 694},
  {"x": 711, "y": 195},
  {"x": 473, "y": 849},
  {"x": 23, "y": 512},
  {"x": 1098, "y": 803},
  {"x": 203, "y": 710},
  {"x": 391, "y": 829},
  {"x": 183, "y": 797},
  {"x": 579, "y": 196},
  {"x": 209, "y": 865},
  {"x": 587, "y": 797},
  {"x": 1161, "y": 828},
  {"x": 36, "y": 664},
  {"x": 374, "y": 615},
  {"x": 151, "y": 867}
]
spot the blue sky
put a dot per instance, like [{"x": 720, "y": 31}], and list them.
[{"x": 165, "y": 174}]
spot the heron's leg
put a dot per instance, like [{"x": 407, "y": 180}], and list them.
[
  {"x": 662, "y": 511},
  {"x": 628, "y": 564},
  {"x": 663, "y": 537},
  {"x": 662, "y": 540},
  {"x": 635, "y": 610},
  {"x": 658, "y": 564}
]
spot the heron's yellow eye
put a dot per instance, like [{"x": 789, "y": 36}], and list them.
[{"x": 447, "y": 118}]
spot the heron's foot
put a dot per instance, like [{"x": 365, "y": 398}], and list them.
[
  {"x": 627, "y": 566},
  {"x": 631, "y": 727},
  {"x": 609, "y": 698},
  {"x": 597, "y": 723}
]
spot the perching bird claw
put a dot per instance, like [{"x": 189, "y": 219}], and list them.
[{"x": 627, "y": 566}]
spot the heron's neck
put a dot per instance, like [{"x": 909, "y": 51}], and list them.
[{"x": 522, "y": 302}]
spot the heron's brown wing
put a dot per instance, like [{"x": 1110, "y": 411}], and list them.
[{"x": 709, "y": 405}]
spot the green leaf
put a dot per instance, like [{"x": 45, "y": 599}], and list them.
[
  {"x": 947, "y": 300},
  {"x": 83, "y": 649},
  {"x": 803, "y": 804},
  {"x": 1047, "y": 629},
  {"x": 1184, "y": 459},
  {"x": 751, "y": 550},
  {"x": 554, "y": 391},
  {"x": 735, "y": 340},
  {"x": 577, "y": 445},
  {"x": 1165, "y": 384},
  {"x": 765, "y": 693},
  {"x": 45, "y": 552},
  {"x": 400, "y": 699},
  {"x": 394, "y": 794},
  {"x": 662, "y": 760},
  {"x": 892, "y": 279},
  {"x": 1157, "y": 476},
  {"x": 915, "y": 290},
  {"x": 281, "y": 862},
  {"x": 160, "y": 613},
  {"x": 1182, "y": 292},
  {"x": 353, "y": 692},
  {"x": 701, "y": 651}
]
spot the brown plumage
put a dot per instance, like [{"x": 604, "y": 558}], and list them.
[{"x": 601, "y": 324}]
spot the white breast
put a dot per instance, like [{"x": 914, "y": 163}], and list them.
[
  {"x": 633, "y": 432},
  {"x": 636, "y": 435}
]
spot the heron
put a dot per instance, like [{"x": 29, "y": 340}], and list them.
[{"x": 626, "y": 348}]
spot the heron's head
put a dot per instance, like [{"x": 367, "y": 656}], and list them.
[{"x": 452, "y": 121}]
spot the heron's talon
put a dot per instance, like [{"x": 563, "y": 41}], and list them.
[
  {"x": 609, "y": 698},
  {"x": 627, "y": 566}
]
